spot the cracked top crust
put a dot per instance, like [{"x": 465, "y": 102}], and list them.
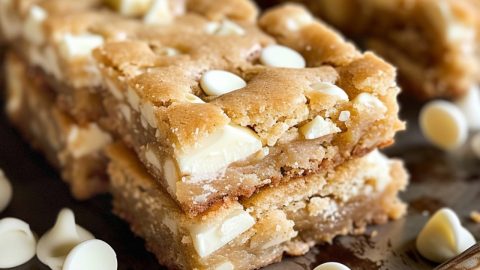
[{"x": 273, "y": 101}]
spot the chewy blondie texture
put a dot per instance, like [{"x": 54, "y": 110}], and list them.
[
  {"x": 283, "y": 122},
  {"x": 434, "y": 43},
  {"x": 257, "y": 231},
  {"x": 76, "y": 150},
  {"x": 59, "y": 35}
]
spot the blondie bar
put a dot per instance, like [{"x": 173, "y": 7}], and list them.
[
  {"x": 76, "y": 150},
  {"x": 217, "y": 110},
  {"x": 257, "y": 231},
  {"x": 434, "y": 43}
]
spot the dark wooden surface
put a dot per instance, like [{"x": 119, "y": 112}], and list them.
[{"x": 438, "y": 179}]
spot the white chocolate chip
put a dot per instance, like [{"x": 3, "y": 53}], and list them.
[
  {"x": 152, "y": 159},
  {"x": 133, "y": 99},
  {"x": 131, "y": 7},
  {"x": 443, "y": 237},
  {"x": 92, "y": 255},
  {"x": 212, "y": 234},
  {"x": 330, "y": 89},
  {"x": 224, "y": 28},
  {"x": 331, "y": 266},
  {"x": 281, "y": 56},
  {"x": 159, "y": 13},
  {"x": 227, "y": 145},
  {"x": 168, "y": 51},
  {"x": 219, "y": 82},
  {"x": 32, "y": 29},
  {"x": 318, "y": 127},
  {"x": 344, "y": 116},
  {"x": 370, "y": 101},
  {"x": 78, "y": 46},
  {"x": 170, "y": 172},
  {"x": 17, "y": 243},
  {"x": 83, "y": 141},
  {"x": 475, "y": 143},
  {"x": 443, "y": 124},
  {"x": 148, "y": 112},
  {"x": 469, "y": 104},
  {"x": 54, "y": 246},
  {"x": 225, "y": 266},
  {"x": 5, "y": 191},
  {"x": 299, "y": 21},
  {"x": 193, "y": 99}
]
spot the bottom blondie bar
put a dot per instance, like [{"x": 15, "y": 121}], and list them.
[
  {"x": 252, "y": 233},
  {"x": 74, "y": 149}
]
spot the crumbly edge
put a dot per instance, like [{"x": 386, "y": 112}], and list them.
[
  {"x": 31, "y": 108},
  {"x": 139, "y": 200}
]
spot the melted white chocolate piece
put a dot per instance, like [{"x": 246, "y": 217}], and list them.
[
  {"x": 443, "y": 237},
  {"x": 92, "y": 255},
  {"x": 5, "y": 191},
  {"x": 17, "y": 243},
  {"x": 211, "y": 235},
  {"x": 318, "y": 127},
  {"x": 54, "y": 246},
  {"x": 212, "y": 154}
]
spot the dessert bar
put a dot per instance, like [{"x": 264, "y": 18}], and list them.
[
  {"x": 434, "y": 43},
  {"x": 76, "y": 150},
  {"x": 216, "y": 110},
  {"x": 257, "y": 231}
]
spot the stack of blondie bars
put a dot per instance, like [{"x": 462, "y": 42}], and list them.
[{"x": 227, "y": 139}]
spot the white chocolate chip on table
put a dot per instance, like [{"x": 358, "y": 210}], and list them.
[
  {"x": 219, "y": 82},
  {"x": 54, "y": 246},
  {"x": 469, "y": 104},
  {"x": 331, "y": 266},
  {"x": 5, "y": 191},
  {"x": 281, "y": 56},
  {"x": 443, "y": 124},
  {"x": 475, "y": 143},
  {"x": 92, "y": 255},
  {"x": 443, "y": 237},
  {"x": 17, "y": 243}
]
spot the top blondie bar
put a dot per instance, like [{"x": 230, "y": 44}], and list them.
[
  {"x": 434, "y": 43},
  {"x": 218, "y": 108}
]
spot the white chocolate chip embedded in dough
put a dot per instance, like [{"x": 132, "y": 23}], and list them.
[
  {"x": 207, "y": 157},
  {"x": 170, "y": 172},
  {"x": 158, "y": 13},
  {"x": 219, "y": 82},
  {"x": 54, "y": 246},
  {"x": 225, "y": 266},
  {"x": 5, "y": 191},
  {"x": 211, "y": 234},
  {"x": 330, "y": 89},
  {"x": 469, "y": 104},
  {"x": 443, "y": 237},
  {"x": 318, "y": 127},
  {"x": 130, "y": 7},
  {"x": 32, "y": 29},
  {"x": 344, "y": 116},
  {"x": 82, "y": 141},
  {"x": 79, "y": 46},
  {"x": 224, "y": 28},
  {"x": 92, "y": 255},
  {"x": 17, "y": 243},
  {"x": 443, "y": 124},
  {"x": 281, "y": 56},
  {"x": 331, "y": 266},
  {"x": 193, "y": 98}
]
